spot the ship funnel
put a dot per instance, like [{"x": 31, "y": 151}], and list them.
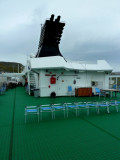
[
  {"x": 52, "y": 17},
  {"x": 51, "y": 33},
  {"x": 57, "y": 19}
]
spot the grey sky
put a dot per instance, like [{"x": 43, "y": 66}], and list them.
[{"x": 92, "y": 29}]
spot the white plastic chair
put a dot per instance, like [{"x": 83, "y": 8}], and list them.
[
  {"x": 93, "y": 105},
  {"x": 113, "y": 103},
  {"x": 31, "y": 110},
  {"x": 70, "y": 91},
  {"x": 46, "y": 108},
  {"x": 83, "y": 106},
  {"x": 103, "y": 104},
  {"x": 99, "y": 93},
  {"x": 72, "y": 107},
  {"x": 58, "y": 107}
]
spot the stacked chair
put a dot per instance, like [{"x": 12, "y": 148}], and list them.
[
  {"x": 46, "y": 108},
  {"x": 58, "y": 108},
  {"x": 103, "y": 104},
  {"x": 71, "y": 106},
  {"x": 82, "y": 106},
  {"x": 91, "y": 106},
  {"x": 31, "y": 110},
  {"x": 75, "y": 108},
  {"x": 114, "y": 103}
]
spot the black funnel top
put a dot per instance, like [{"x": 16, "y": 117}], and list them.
[{"x": 50, "y": 37}]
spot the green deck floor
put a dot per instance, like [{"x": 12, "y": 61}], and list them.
[{"x": 93, "y": 137}]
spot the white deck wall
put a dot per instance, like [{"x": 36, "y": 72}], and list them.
[{"x": 66, "y": 78}]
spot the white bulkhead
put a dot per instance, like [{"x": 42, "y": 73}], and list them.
[{"x": 55, "y": 74}]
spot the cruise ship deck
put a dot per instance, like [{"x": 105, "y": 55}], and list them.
[{"x": 93, "y": 137}]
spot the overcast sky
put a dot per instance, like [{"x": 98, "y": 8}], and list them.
[{"x": 92, "y": 30}]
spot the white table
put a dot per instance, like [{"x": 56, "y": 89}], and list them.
[{"x": 111, "y": 91}]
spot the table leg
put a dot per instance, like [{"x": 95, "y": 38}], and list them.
[
  {"x": 110, "y": 94},
  {"x": 115, "y": 94}
]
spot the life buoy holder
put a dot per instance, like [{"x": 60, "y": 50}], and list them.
[{"x": 52, "y": 80}]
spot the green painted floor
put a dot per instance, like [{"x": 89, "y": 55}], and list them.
[{"x": 93, "y": 137}]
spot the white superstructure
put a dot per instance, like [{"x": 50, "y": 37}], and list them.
[{"x": 66, "y": 73}]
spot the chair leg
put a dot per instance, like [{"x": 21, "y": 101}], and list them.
[
  {"x": 67, "y": 112},
  {"x": 116, "y": 108},
  {"x": 98, "y": 110},
  {"x": 53, "y": 117},
  {"x": 64, "y": 113},
  {"x": 38, "y": 117},
  {"x": 25, "y": 118},
  {"x": 88, "y": 110},
  {"x": 108, "y": 109},
  {"x": 76, "y": 112},
  {"x": 41, "y": 116}
]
